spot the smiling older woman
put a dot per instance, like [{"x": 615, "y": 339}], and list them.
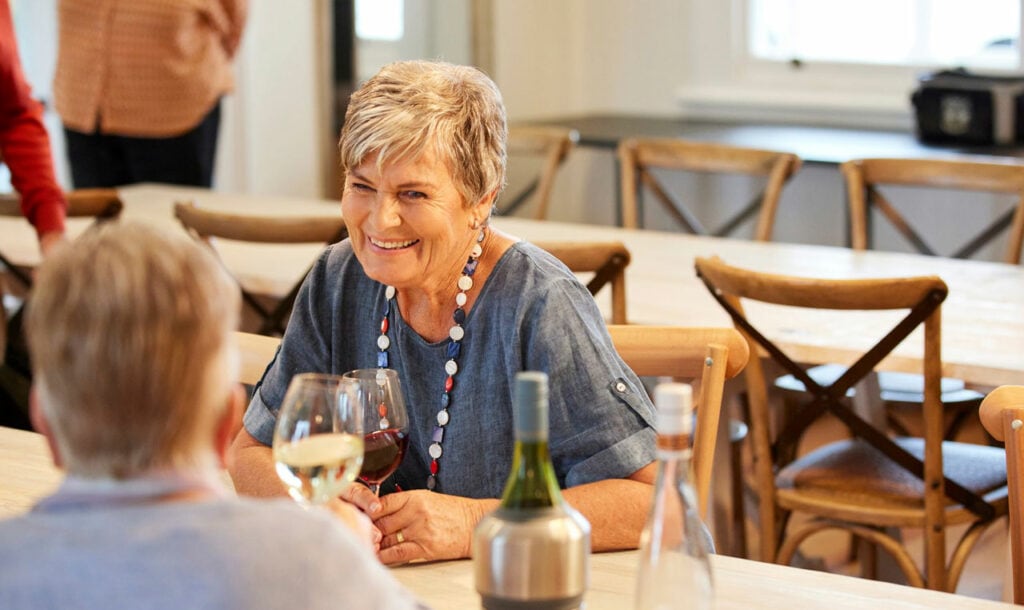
[{"x": 463, "y": 308}]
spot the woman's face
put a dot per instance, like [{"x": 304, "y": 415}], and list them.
[{"x": 408, "y": 224}]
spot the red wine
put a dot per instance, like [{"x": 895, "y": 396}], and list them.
[{"x": 383, "y": 450}]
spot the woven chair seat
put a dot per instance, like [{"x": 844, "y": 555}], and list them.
[{"x": 852, "y": 471}]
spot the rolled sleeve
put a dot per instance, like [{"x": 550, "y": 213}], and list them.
[
  {"x": 618, "y": 461},
  {"x": 259, "y": 420}
]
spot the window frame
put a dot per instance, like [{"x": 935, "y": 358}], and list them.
[{"x": 726, "y": 82}]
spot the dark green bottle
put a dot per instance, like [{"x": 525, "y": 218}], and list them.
[{"x": 533, "y": 552}]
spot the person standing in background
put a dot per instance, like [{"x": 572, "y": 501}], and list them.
[
  {"x": 25, "y": 149},
  {"x": 138, "y": 87},
  {"x": 24, "y": 145}
]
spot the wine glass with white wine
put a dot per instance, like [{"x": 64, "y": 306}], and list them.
[{"x": 318, "y": 441}]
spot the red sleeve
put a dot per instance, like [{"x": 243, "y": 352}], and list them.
[{"x": 23, "y": 140}]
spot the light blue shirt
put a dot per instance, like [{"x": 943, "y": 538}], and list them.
[{"x": 110, "y": 544}]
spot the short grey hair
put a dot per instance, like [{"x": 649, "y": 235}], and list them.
[
  {"x": 411, "y": 105},
  {"x": 129, "y": 329}
]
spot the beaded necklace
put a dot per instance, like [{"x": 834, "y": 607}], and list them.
[{"x": 451, "y": 367}]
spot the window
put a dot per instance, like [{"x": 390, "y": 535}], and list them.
[
  {"x": 837, "y": 62},
  {"x": 380, "y": 19},
  {"x": 979, "y": 34}
]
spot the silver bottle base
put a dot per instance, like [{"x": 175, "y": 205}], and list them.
[{"x": 500, "y": 603}]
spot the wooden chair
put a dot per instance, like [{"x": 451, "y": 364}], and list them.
[
  {"x": 865, "y": 177},
  {"x": 100, "y": 204},
  {"x": 639, "y": 157},
  {"x": 900, "y": 392},
  {"x": 1002, "y": 413},
  {"x": 205, "y": 225},
  {"x": 872, "y": 483},
  {"x": 548, "y": 145},
  {"x": 606, "y": 260},
  {"x": 709, "y": 354}
]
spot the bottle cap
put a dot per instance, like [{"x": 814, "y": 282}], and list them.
[
  {"x": 530, "y": 397},
  {"x": 674, "y": 402}
]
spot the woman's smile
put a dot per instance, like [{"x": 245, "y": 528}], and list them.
[{"x": 393, "y": 245}]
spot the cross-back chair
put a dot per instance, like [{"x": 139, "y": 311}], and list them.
[
  {"x": 100, "y": 204},
  {"x": 712, "y": 355},
  {"x": 606, "y": 260},
  {"x": 527, "y": 146},
  {"x": 205, "y": 225},
  {"x": 1002, "y": 414},
  {"x": 871, "y": 483},
  {"x": 640, "y": 157},
  {"x": 865, "y": 179}
]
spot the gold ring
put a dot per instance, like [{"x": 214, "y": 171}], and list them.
[{"x": 400, "y": 537}]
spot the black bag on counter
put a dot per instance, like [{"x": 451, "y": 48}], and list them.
[{"x": 958, "y": 107}]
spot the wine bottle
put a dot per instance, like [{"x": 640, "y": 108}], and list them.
[
  {"x": 675, "y": 571},
  {"x": 533, "y": 552}
]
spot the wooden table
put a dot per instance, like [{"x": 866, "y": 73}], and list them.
[
  {"x": 28, "y": 475},
  {"x": 983, "y": 318}
]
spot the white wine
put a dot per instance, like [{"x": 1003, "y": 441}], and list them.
[{"x": 319, "y": 467}]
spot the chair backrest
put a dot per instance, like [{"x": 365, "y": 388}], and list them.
[
  {"x": 101, "y": 204},
  {"x": 205, "y": 225},
  {"x": 606, "y": 260},
  {"x": 712, "y": 355},
  {"x": 256, "y": 353},
  {"x": 548, "y": 145},
  {"x": 639, "y": 157},
  {"x": 1002, "y": 413},
  {"x": 865, "y": 177},
  {"x": 922, "y": 298},
  {"x": 709, "y": 354}
]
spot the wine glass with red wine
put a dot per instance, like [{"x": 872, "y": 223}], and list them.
[{"x": 385, "y": 423}]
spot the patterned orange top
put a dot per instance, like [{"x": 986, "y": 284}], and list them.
[{"x": 145, "y": 68}]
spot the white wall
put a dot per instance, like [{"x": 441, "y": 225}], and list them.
[{"x": 272, "y": 139}]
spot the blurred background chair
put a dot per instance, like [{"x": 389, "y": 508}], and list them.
[
  {"x": 641, "y": 158},
  {"x": 101, "y": 204},
  {"x": 1002, "y": 414},
  {"x": 206, "y": 225},
  {"x": 865, "y": 179},
  {"x": 901, "y": 393},
  {"x": 712, "y": 356},
  {"x": 535, "y": 153},
  {"x": 872, "y": 484},
  {"x": 606, "y": 260},
  {"x": 15, "y": 285}
]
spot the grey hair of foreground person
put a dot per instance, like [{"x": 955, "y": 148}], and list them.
[{"x": 130, "y": 332}]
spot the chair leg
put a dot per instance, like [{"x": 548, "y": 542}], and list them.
[{"x": 737, "y": 435}]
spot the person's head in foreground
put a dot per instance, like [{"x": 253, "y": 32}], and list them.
[
  {"x": 135, "y": 367},
  {"x": 130, "y": 332}
]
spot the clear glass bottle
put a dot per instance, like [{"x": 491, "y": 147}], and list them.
[
  {"x": 675, "y": 571},
  {"x": 533, "y": 552}
]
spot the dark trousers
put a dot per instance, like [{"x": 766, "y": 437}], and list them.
[
  {"x": 102, "y": 160},
  {"x": 15, "y": 376}
]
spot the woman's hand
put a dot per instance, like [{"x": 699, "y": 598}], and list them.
[
  {"x": 423, "y": 525},
  {"x": 358, "y": 522}
]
